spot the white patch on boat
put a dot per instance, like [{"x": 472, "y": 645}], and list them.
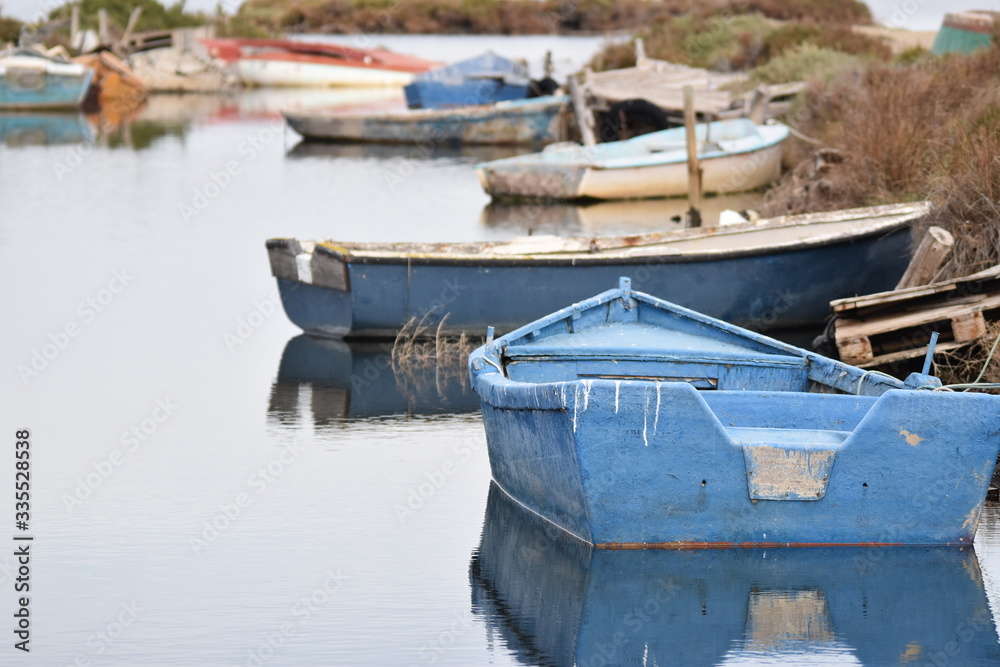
[
  {"x": 656, "y": 420},
  {"x": 586, "y": 396},
  {"x": 618, "y": 384},
  {"x": 304, "y": 268},
  {"x": 645, "y": 421}
]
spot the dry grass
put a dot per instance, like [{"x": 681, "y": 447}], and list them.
[
  {"x": 420, "y": 349},
  {"x": 520, "y": 17},
  {"x": 970, "y": 364}
]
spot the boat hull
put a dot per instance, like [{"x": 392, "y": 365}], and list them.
[
  {"x": 62, "y": 87},
  {"x": 643, "y": 464},
  {"x": 531, "y": 123},
  {"x": 303, "y": 72},
  {"x": 724, "y": 174},
  {"x": 764, "y": 291}
]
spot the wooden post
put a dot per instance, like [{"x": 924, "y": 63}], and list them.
[
  {"x": 584, "y": 117},
  {"x": 74, "y": 23},
  {"x": 102, "y": 27},
  {"x": 133, "y": 19},
  {"x": 548, "y": 64},
  {"x": 928, "y": 259},
  {"x": 640, "y": 52},
  {"x": 694, "y": 174},
  {"x": 757, "y": 105}
]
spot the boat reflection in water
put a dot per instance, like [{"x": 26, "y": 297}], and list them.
[
  {"x": 610, "y": 217},
  {"x": 43, "y": 129},
  {"x": 330, "y": 380},
  {"x": 424, "y": 151},
  {"x": 557, "y": 601}
]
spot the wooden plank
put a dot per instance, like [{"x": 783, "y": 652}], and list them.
[
  {"x": 879, "y": 298},
  {"x": 911, "y": 353},
  {"x": 934, "y": 249},
  {"x": 855, "y": 351},
  {"x": 969, "y": 327},
  {"x": 889, "y": 323}
]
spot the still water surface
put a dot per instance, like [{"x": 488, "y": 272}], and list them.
[{"x": 213, "y": 488}]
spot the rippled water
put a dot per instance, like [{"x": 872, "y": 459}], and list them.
[{"x": 212, "y": 488}]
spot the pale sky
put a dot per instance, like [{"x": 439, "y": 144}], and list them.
[{"x": 910, "y": 14}]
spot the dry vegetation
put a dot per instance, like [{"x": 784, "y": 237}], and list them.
[
  {"x": 423, "y": 357},
  {"x": 520, "y": 17}
]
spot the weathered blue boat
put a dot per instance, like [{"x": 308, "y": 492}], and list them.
[
  {"x": 631, "y": 422},
  {"x": 767, "y": 275},
  {"x": 734, "y": 156},
  {"x": 30, "y": 80},
  {"x": 549, "y": 599},
  {"x": 533, "y": 122},
  {"x": 485, "y": 79}
]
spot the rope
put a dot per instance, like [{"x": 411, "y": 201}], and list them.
[
  {"x": 989, "y": 358},
  {"x": 861, "y": 380}
]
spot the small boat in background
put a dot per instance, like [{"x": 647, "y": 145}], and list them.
[
  {"x": 29, "y": 79},
  {"x": 631, "y": 422},
  {"x": 284, "y": 62},
  {"x": 771, "y": 274},
  {"x": 531, "y": 122},
  {"x": 485, "y": 79},
  {"x": 734, "y": 155},
  {"x": 964, "y": 32}
]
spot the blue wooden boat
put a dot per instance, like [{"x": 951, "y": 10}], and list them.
[
  {"x": 534, "y": 122},
  {"x": 485, "y": 79},
  {"x": 734, "y": 156},
  {"x": 30, "y": 80},
  {"x": 631, "y": 422},
  {"x": 550, "y": 599},
  {"x": 767, "y": 275}
]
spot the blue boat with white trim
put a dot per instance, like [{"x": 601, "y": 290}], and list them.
[
  {"x": 631, "y": 422},
  {"x": 31, "y": 80}
]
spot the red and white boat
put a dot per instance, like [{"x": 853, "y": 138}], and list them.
[{"x": 281, "y": 62}]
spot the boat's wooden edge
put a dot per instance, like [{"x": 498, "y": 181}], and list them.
[{"x": 603, "y": 249}]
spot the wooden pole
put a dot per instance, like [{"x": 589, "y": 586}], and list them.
[
  {"x": 928, "y": 259},
  {"x": 74, "y": 24},
  {"x": 584, "y": 117},
  {"x": 133, "y": 20},
  {"x": 640, "y": 52},
  {"x": 694, "y": 174},
  {"x": 102, "y": 27}
]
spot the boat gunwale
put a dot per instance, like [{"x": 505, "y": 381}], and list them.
[{"x": 417, "y": 254}]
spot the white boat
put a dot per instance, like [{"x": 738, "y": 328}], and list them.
[{"x": 734, "y": 155}]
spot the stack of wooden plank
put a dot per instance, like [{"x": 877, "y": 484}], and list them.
[{"x": 880, "y": 329}]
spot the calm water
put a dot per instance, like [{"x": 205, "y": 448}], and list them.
[{"x": 212, "y": 488}]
